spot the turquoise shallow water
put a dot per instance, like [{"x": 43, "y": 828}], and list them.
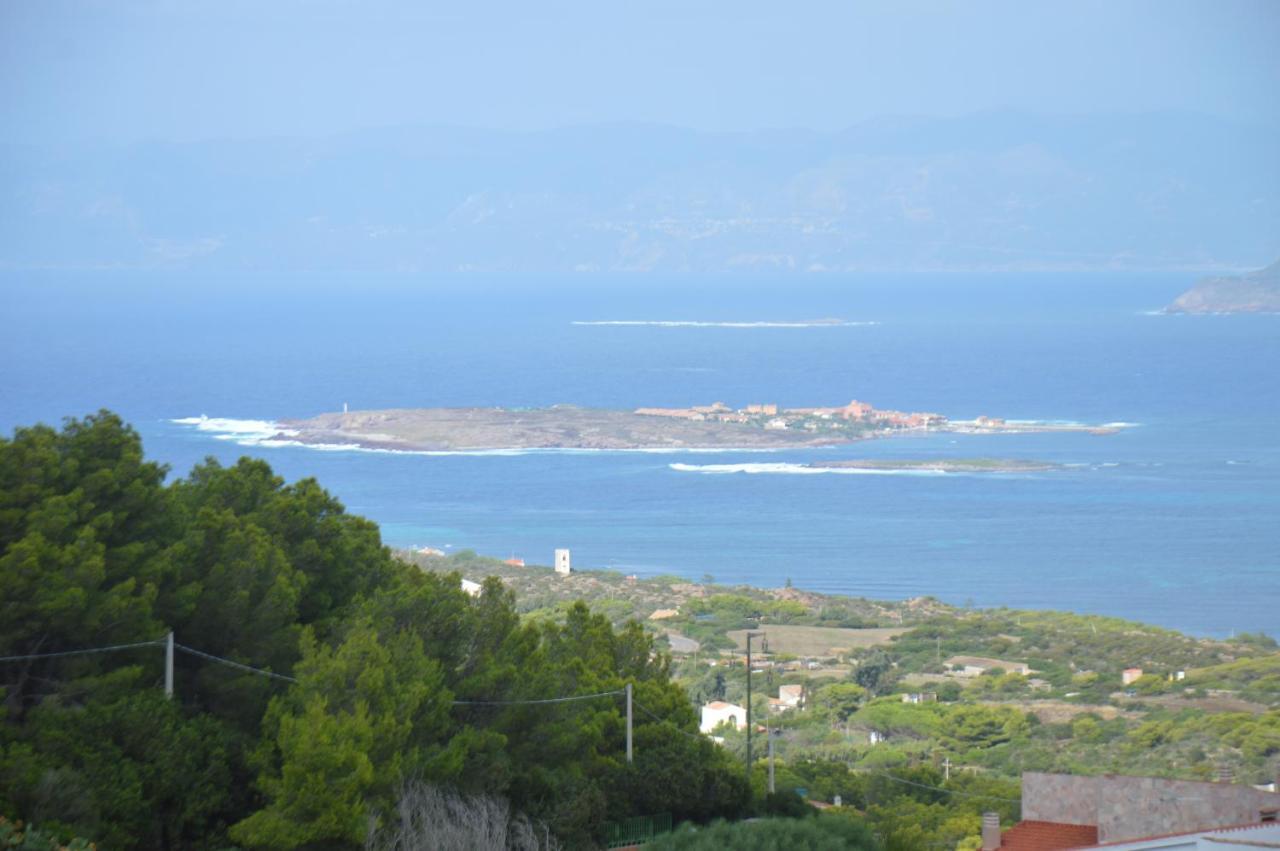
[{"x": 1175, "y": 520}]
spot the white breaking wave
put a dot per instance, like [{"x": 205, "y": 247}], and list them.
[
  {"x": 690, "y": 323},
  {"x": 799, "y": 470},
  {"x": 1060, "y": 424},
  {"x": 244, "y": 432}
]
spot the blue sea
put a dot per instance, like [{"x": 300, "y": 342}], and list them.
[{"x": 1174, "y": 520}]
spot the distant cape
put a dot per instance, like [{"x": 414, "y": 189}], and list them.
[{"x": 1255, "y": 292}]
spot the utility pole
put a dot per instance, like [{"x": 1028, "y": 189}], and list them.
[
  {"x": 628, "y": 722},
  {"x": 946, "y": 768},
  {"x": 168, "y": 666},
  {"x": 750, "y": 635},
  {"x": 770, "y": 733}
]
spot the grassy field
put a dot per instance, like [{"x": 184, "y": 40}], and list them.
[{"x": 816, "y": 640}]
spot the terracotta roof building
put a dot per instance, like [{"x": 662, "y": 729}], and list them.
[{"x": 1047, "y": 836}]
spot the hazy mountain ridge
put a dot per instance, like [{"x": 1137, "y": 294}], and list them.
[{"x": 998, "y": 191}]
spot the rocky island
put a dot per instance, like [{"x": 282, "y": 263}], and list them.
[
  {"x": 1255, "y": 292},
  {"x": 715, "y": 426}
]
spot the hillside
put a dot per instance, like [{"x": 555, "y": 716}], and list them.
[{"x": 324, "y": 691}]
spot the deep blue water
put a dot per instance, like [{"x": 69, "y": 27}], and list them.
[{"x": 1175, "y": 521}]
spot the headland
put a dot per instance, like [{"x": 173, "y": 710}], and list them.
[{"x": 1255, "y": 292}]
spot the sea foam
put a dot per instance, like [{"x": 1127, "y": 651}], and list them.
[
  {"x": 690, "y": 323},
  {"x": 798, "y": 470},
  {"x": 244, "y": 432}
]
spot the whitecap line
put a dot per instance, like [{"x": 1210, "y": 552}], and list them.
[
  {"x": 784, "y": 468},
  {"x": 692, "y": 323}
]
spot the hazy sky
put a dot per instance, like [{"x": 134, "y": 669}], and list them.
[{"x": 179, "y": 69}]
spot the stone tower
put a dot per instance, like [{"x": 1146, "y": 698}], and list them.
[{"x": 562, "y": 562}]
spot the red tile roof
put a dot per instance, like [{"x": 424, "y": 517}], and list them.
[
  {"x": 1198, "y": 832},
  {"x": 1047, "y": 836}
]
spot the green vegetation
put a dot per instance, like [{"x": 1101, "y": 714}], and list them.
[
  {"x": 820, "y": 833},
  {"x": 381, "y": 701},
  {"x": 98, "y": 552},
  {"x": 26, "y": 838}
]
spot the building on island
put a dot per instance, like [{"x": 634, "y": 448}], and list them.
[
  {"x": 920, "y": 697},
  {"x": 472, "y": 588},
  {"x": 563, "y": 565},
  {"x": 718, "y": 712},
  {"x": 514, "y": 562},
  {"x": 779, "y": 418},
  {"x": 1130, "y": 675}
]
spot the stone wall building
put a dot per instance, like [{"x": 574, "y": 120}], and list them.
[{"x": 1070, "y": 811}]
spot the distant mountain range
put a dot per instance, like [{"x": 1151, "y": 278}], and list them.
[
  {"x": 996, "y": 191},
  {"x": 1256, "y": 292}
]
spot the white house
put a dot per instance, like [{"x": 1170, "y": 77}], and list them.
[
  {"x": 791, "y": 695},
  {"x": 717, "y": 712},
  {"x": 563, "y": 565},
  {"x": 472, "y": 588}
]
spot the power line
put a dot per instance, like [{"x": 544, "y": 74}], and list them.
[
  {"x": 673, "y": 724},
  {"x": 540, "y": 700},
  {"x": 81, "y": 652},
  {"x": 938, "y": 788},
  {"x": 287, "y": 678},
  {"x": 185, "y": 649}
]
